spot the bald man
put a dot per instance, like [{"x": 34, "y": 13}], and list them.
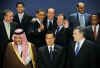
[
  {"x": 50, "y": 20},
  {"x": 79, "y": 18}
]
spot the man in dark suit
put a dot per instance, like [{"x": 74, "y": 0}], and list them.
[
  {"x": 80, "y": 18},
  {"x": 21, "y": 17},
  {"x": 7, "y": 27},
  {"x": 63, "y": 35},
  {"x": 81, "y": 51},
  {"x": 50, "y": 20},
  {"x": 93, "y": 34},
  {"x": 37, "y": 33},
  {"x": 51, "y": 55}
]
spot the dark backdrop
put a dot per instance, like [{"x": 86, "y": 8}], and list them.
[{"x": 66, "y": 6}]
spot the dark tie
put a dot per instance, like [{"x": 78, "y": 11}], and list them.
[
  {"x": 95, "y": 35},
  {"x": 50, "y": 25},
  {"x": 58, "y": 29},
  {"x": 77, "y": 49},
  {"x": 51, "y": 54}
]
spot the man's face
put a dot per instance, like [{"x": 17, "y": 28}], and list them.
[
  {"x": 49, "y": 39},
  {"x": 8, "y": 17},
  {"x": 51, "y": 14},
  {"x": 20, "y": 8},
  {"x": 81, "y": 8},
  {"x": 60, "y": 20},
  {"x": 94, "y": 19},
  {"x": 40, "y": 15},
  {"x": 18, "y": 40},
  {"x": 76, "y": 35}
]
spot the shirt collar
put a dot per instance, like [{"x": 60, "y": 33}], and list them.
[
  {"x": 20, "y": 14},
  {"x": 52, "y": 47},
  {"x": 50, "y": 20}
]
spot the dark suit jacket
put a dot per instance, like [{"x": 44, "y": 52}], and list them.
[
  {"x": 25, "y": 21},
  {"x": 85, "y": 58},
  {"x": 54, "y": 24},
  {"x": 63, "y": 37},
  {"x": 4, "y": 38},
  {"x": 11, "y": 60},
  {"x": 35, "y": 36},
  {"x": 74, "y": 20},
  {"x": 90, "y": 36},
  {"x": 44, "y": 57},
  {"x": 3, "y": 32}
]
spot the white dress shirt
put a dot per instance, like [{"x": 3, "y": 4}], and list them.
[
  {"x": 52, "y": 48},
  {"x": 97, "y": 28},
  {"x": 81, "y": 43},
  {"x": 48, "y": 22},
  {"x": 20, "y": 16}
]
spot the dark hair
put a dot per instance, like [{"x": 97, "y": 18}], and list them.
[
  {"x": 94, "y": 14},
  {"x": 40, "y": 10},
  {"x": 20, "y": 2},
  {"x": 81, "y": 30},
  {"x": 50, "y": 32},
  {"x": 62, "y": 14}
]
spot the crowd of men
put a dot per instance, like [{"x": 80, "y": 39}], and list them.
[{"x": 57, "y": 41}]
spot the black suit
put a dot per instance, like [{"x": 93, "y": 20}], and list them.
[
  {"x": 53, "y": 25},
  {"x": 74, "y": 20},
  {"x": 25, "y": 21},
  {"x": 63, "y": 37},
  {"x": 35, "y": 36},
  {"x": 44, "y": 57},
  {"x": 90, "y": 36},
  {"x": 84, "y": 59},
  {"x": 4, "y": 37}
]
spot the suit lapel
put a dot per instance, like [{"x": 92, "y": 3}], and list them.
[
  {"x": 4, "y": 31},
  {"x": 91, "y": 32},
  {"x": 98, "y": 33},
  {"x": 23, "y": 18},
  {"x": 82, "y": 47},
  {"x": 17, "y": 17},
  {"x": 46, "y": 54},
  {"x": 77, "y": 18}
]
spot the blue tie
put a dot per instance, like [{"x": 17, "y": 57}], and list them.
[
  {"x": 77, "y": 49},
  {"x": 57, "y": 29}
]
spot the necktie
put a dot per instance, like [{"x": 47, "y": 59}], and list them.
[
  {"x": 57, "y": 29},
  {"x": 51, "y": 54},
  {"x": 77, "y": 49},
  {"x": 8, "y": 30},
  {"x": 95, "y": 35},
  {"x": 82, "y": 22},
  {"x": 50, "y": 25}
]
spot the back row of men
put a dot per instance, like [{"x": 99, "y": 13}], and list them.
[{"x": 36, "y": 28}]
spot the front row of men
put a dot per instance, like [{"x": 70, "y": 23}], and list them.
[{"x": 22, "y": 54}]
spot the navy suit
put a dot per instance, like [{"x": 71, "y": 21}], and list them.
[
  {"x": 85, "y": 58},
  {"x": 90, "y": 36},
  {"x": 74, "y": 20}
]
